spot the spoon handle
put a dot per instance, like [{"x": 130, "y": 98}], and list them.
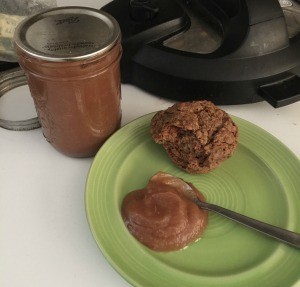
[{"x": 284, "y": 235}]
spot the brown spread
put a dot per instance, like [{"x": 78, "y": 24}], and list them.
[
  {"x": 78, "y": 103},
  {"x": 161, "y": 217}
]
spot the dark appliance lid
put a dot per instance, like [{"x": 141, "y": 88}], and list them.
[{"x": 229, "y": 52}]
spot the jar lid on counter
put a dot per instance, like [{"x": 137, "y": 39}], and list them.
[{"x": 67, "y": 34}]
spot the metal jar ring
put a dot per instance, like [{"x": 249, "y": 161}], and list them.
[{"x": 9, "y": 80}]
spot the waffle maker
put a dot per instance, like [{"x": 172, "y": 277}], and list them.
[{"x": 229, "y": 52}]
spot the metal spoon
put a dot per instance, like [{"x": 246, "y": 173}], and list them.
[{"x": 283, "y": 235}]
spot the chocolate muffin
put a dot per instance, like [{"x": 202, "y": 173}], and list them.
[{"x": 198, "y": 136}]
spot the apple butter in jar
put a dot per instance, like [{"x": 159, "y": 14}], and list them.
[{"x": 71, "y": 58}]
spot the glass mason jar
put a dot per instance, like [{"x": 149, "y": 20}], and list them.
[{"x": 71, "y": 58}]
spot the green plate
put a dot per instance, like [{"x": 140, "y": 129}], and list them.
[{"x": 261, "y": 180}]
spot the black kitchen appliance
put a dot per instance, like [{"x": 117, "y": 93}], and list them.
[{"x": 226, "y": 51}]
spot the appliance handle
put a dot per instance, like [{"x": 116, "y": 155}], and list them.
[
  {"x": 281, "y": 93},
  {"x": 240, "y": 21},
  {"x": 230, "y": 16}
]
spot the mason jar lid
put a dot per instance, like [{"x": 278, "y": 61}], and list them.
[{"x": 67, "y": 34}]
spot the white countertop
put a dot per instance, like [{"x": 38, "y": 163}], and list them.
[{"x": 45, "y": 239}]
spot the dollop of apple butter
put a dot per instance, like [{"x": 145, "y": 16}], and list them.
[{"x": 161, "y": 216}]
